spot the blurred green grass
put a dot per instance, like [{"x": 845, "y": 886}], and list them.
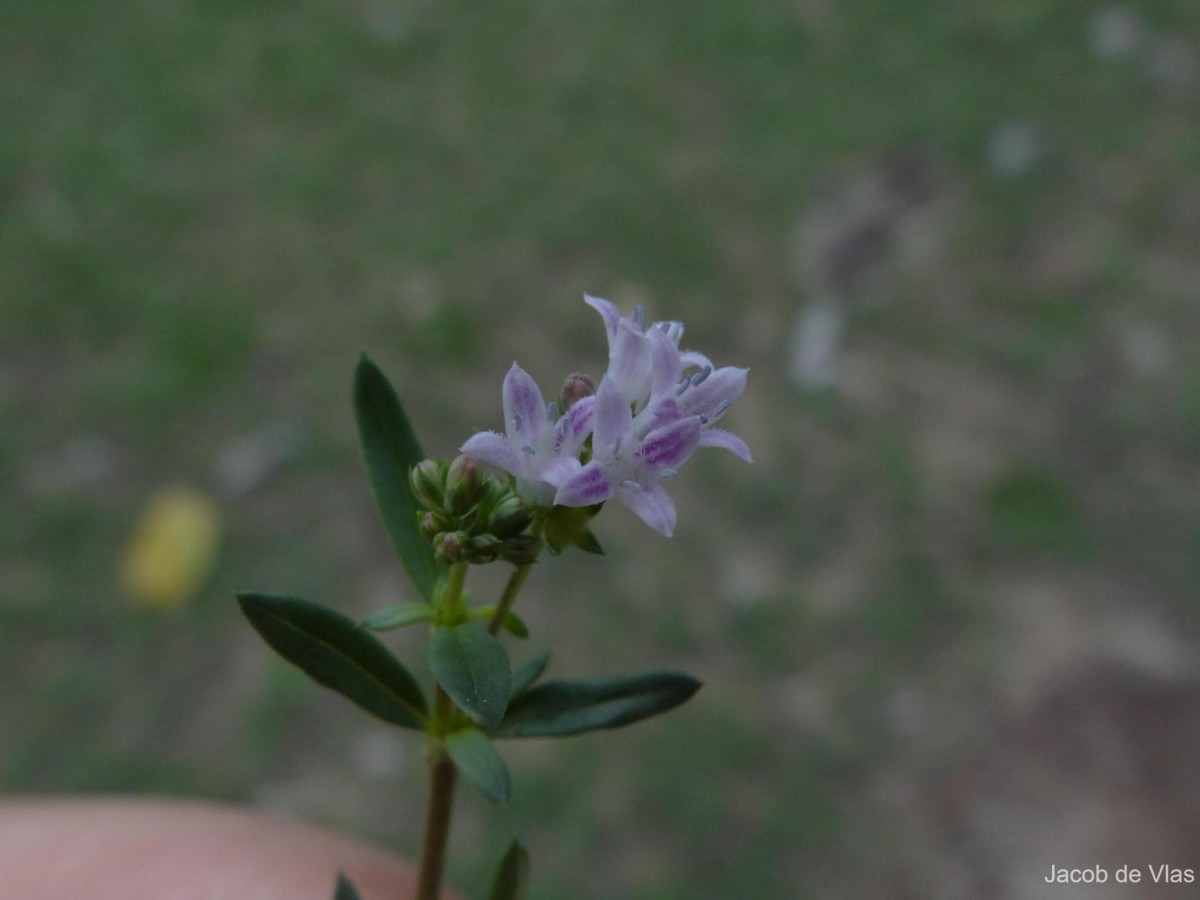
[{"x": 209, "y": 210}]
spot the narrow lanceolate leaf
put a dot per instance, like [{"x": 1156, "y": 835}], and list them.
[
  {"x": 480, "y": 764},
  {"x": 398, "y": 616},
  {"x": 332, "y": 650},
  {"x": 391, "y": 448},
  {"x": 472, "y": 667},
  {"x": 512, "y": 875},
  {"x": 527, "y": 673},
  {"x": 345, "y": 890},
  {"x": 558, "y": 708}
]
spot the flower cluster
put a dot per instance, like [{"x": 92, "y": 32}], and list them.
[{"x": 654, "y": 407}]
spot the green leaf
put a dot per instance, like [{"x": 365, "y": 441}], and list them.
[
  {"x": 527, "y": 673},
  {"x": 332, "y": 650},
  {"x": 345, "y": 890},
  {"x": 398, "y": 616},
  {"x": 559, "y": 708},
  {"x": 391, "y": 448},
  {"x": 472, "y": 667},
  {"x": 480, "y": 764},
  {"x": 512, "y": 875}
]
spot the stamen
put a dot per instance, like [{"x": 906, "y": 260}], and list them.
[
  {"x": 517, "y": 421},
  {"x": 704, "y": 420},
  {"x": 666, "y": 474},
  {"x": 529, "y": 450},
  {"x": 683, "y": 385},
  {"x": 720, "y": 410},
  {"x": 639, "y": 316},
  {"x": 631, "y": 484},
  {"x": 552, "y": 411},
  {"x": 699, "y": 377}
]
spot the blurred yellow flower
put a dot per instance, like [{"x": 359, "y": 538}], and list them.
[{"x": 173, "y": 549}]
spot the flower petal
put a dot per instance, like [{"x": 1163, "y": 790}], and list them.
[
  {"x": 665, "y": 364},
  {"x": 587, "y": 486},
  {"x": 652, "y": 504},
  {"x": 493, "y": 450},
  {"x": 608, "y": 312},
  {"x": 524, "y": 409},
  {"x": 574, "y": 427},
  {"x": 629, "y": 362},
  {"x": 612, "y": 423},
  {"x": 721, "y": 387},
  {"x": 719, "y": 437},
  {"x": 671, "y": 445}
]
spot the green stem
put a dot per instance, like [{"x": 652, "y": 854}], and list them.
[
  {"x": 449, "y": 603},
  {"x": 442, "y": 778},
  {"x": 442, "y": 773},
  {"x": 515, "y": 581}
]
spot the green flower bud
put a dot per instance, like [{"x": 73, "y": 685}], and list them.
[
  {"x": 462, "y": 485},
  {"x": 450, "y": 547},
  {"x": 575, "y": 388},
  {"x": 431, "y": 524},
  {"x": 483, "y": 548},
  {"x": 511, "y": 516},
  {"x": 521, "y": 549},
  {"x": 428, "y": 479}
]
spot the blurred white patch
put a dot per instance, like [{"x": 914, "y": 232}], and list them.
[
  {"x": 815, "y": 346},
  {"x": 247, "y": 461},
  {"x": 1115, "y": 32},
  {"x": 1013, "y": 149},
  {"x": 1147, "y": 349},
  {"x": 377, "y": 754}
]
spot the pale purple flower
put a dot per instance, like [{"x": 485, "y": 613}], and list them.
[
  {"x": 627, "y": 467},
  {"x": 649, "y": 417},
  {"x": 537, "y": 440},
  {"x": 630, "y": 352}
]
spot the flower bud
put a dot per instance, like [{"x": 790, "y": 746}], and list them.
[
  {"x": 511, "y": 516},
  {"x": 462, "y": 485},
  {"x": 428, "y": 478},
  {"x": 575, "y": 388},
  {"x": 521, "y": 549},
  {"x": 450, "y": 547},
  {"x": 430, "y": 524},
  {"x": 483, "y": 548}
]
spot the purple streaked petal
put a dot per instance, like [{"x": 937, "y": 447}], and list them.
[
  {"x": 612, "y": 421},
  {"x": 723, "y": 386},
  {"x": 719, "y": 437},
  {"x": 652, "y": 504},
  {"x": 658, "y": 414},
  {"x": 574, "y": 427},
  {"x": 608, "y": 312},
  {"x": 493, "y": 449},
  {"x": 560, "y": 469},
  {"x": 524, "y": 409},
  {"x": 671, "y": 445},
  {"x": 586, "y": 487}
]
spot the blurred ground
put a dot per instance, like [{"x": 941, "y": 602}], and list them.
[{"x": 947, "y": 621}]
